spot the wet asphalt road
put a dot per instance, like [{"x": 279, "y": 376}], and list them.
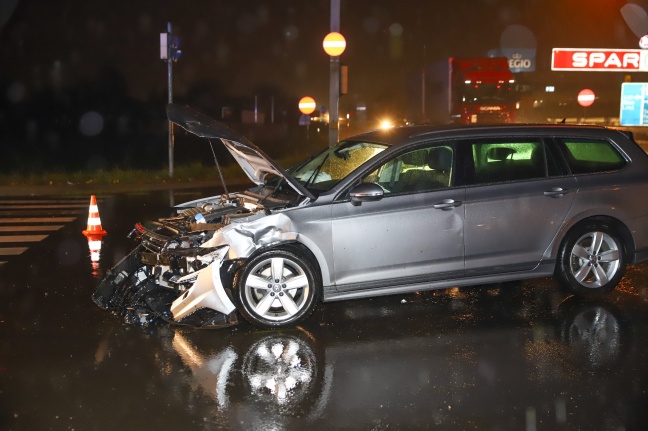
[{"x": 516, "y": 356}]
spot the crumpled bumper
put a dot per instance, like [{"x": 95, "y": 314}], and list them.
[
  {"x": 207, "y": 292},
  {"x": 130, "y": 290}
]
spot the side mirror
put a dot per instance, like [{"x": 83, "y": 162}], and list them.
[{"x": 366, "y": 192}]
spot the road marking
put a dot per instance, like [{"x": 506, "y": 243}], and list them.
[
  {"x": 30, "y": 228},
  {"x": 38, "y": 220},
  {"x": 43, "y": 211},
  {"x": 41, "y": 201},
  {"x": 12, "y": 251},
  {"x": 40, "y": 207},
  {"x": 22, "y": 238},
  {"x": 26, "y": 221}
]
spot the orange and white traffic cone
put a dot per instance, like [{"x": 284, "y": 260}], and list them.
[{"x": 94, "y": 222}]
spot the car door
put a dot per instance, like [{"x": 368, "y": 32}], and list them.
[
  {"x": 412, "y": 235},
  {"x": 519, "y": 197}
]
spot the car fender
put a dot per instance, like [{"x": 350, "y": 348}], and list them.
[{"x": 248, "y": 236}]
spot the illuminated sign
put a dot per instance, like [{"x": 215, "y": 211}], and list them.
[
  {"x": 599, "y": 60},
  {"x": 307, "y": 105},
  {"x": 634, "y": 101},
  {"x": 519, "y": 59}
]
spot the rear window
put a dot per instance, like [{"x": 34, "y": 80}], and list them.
[{"x": 588, "y": 156}]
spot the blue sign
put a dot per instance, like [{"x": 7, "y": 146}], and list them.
[{"x": 634, "y": 101}]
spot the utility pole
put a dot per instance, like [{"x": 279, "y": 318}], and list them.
[
  {"x": 170, "y": 53},
  {"x": 334, "y": 83}
]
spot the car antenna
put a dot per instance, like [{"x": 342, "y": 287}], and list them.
[
  {"x": 563, "y": 120},
  {"x": 220, "y": 173}
]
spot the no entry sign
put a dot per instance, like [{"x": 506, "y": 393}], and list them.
[
  {"x": 586, "y": 97},
  {"x": 599, "y": 60}
]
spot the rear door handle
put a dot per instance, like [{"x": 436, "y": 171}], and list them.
[
  {"x": 447, "y": 204},
  {"x": 556, "y": 192}
]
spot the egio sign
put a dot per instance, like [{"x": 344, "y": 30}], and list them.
[{"x": 599, "y": 60}]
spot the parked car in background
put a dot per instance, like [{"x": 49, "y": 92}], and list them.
[{"x": 390, "y": 212}]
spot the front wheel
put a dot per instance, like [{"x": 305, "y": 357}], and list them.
[
  {"x": 277, "y": 288},
  {"x": 591, "y": 260}
]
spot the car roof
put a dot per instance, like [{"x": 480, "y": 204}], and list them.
[{"x": 400, "y": 136}]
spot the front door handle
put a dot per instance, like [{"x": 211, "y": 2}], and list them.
[
  {"x": 556, "y": 192},
  {"x": 447, "y": 204}
]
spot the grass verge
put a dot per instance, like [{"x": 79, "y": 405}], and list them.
[{"x": 195, "y": 172}]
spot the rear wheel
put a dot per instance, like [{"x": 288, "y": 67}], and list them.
[
  {"x": 277, "y": 288},
  {"x": 591, "y": 259}
]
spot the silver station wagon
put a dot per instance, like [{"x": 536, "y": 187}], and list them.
[{"x": 390, "y": 212}]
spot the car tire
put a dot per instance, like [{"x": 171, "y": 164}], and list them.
[
  {"x": 277, "y": 288},
  {"x": 591, "y": 260}
]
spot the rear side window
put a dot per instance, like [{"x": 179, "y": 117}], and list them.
[
  {"x": 496, "y": 161},
  {"x": 592, "y": 155}
]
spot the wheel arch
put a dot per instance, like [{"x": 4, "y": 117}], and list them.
[
  {"x": 294, "y": 246},
  {"x": 619, "y": 227}
]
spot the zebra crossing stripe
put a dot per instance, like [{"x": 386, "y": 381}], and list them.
[
  {"x": 12, "y": 251},
  {"x": 28, "y": 228},
  {"x": 22, "y": 238},
  {"x": 38, "y": 220}
]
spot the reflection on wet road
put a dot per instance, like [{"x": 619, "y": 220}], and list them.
[
  {"x": 515, "y": 356},
  {"x": 455, "y": 360}
]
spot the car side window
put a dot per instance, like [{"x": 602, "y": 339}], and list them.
[
  {"x": 423, "y": 169},
  {"x": 514, "y": 160},
  {"x": 592, "y": 155}
]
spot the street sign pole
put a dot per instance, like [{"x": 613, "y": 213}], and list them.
[{"x": 170, "y": 78}]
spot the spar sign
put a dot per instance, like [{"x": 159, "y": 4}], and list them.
[{"x": 599, "y": 60}]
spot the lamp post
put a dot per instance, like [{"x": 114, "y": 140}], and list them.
[{"x": 334, "y": 45}]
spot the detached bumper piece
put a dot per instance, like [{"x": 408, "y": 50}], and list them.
[{"x": 129, "y": 290}]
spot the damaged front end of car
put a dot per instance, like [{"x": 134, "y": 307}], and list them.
[
  {"x": 182, "y": 269},
  {"x": 170, "y": 276}
]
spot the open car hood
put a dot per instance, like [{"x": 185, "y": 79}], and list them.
[{"x": 254, "y": 162}]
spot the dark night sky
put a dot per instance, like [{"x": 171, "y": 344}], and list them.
[{"x": 241, "y": 47}]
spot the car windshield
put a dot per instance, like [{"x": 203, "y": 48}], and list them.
[{"x": 329, "y": 167}]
